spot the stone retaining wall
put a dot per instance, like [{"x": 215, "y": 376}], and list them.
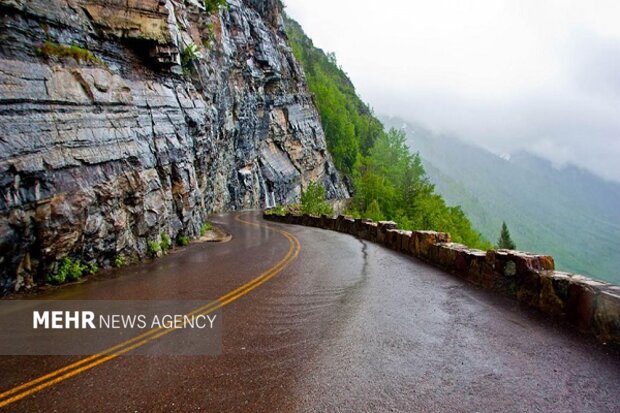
[{"x": 591, "y": 306}]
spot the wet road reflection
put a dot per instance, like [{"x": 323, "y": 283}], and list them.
[{"x": 347, "y": 327}]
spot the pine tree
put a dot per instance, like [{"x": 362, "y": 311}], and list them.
[{"x": 504, "y": 241}]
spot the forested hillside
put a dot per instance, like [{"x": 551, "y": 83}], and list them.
[
  {"x": 568, "y": 213},
  {"x": 389, "y": 180}
]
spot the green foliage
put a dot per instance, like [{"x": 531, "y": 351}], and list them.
[
  {"x": 313, "y": 200},
  {"x": 68, "y": 270},
  {"x": 50, "y": 49},
  {"x": 165, "y": 242},
  {"x": 154, "y": 248},
  {"x": 189, "y": 55},
  {"x": 57, "y": 278},
  {"x": 209, "y": 40},
  {"x": 213, "y": 6},
  {"x": 389, "y": 181},
  {"x": 92, "y": 268},
  {"x": 350, "y": 126},
  {"x": 76, "y": 270},
  {"x": 545, "y": 206},
  {"x": 295, "y": 209},
  {"x": 183, "y": 240},
  {"x": 277, "y": 210},
  {"x": 504, "y": 241},
  {"x": 374, "y": 211},
  {"x": 119, "y": 261},
  {"x": 206, "y": 227}
]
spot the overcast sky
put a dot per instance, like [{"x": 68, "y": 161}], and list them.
[{"x": 540, "y": 75}]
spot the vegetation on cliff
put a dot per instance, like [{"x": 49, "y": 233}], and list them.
[
  {"x": 349, "y": 124},
  {"x": 389, "y": 181},
  {"x": 50, "y": 49},
  {"x": 213, "y": 6}
]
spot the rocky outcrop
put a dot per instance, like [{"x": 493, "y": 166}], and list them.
[
  {"x": 121, "y": 120},
  {"x": 593, "y": 307}
]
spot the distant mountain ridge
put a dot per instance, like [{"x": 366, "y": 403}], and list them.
[{"x": 568, "y": 213}]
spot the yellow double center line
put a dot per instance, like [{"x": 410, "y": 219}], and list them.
[{"x": 80, "y": 366}]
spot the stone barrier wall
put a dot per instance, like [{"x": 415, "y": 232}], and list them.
[{"x": 591, "y": 306}]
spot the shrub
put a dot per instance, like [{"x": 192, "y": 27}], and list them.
[
  {"x": 56, "y": 278},
  {"x": 207, "y": 226},
  {"x": 92, "y": 268},
  {"x": 154, "y": 248},
  {"x": 119, "y": 261},
  {"x": 60, "y": 275},
  {"x": 67, "y": 270},
  {"x": 277, "y": 210},
  {"x": 213, "y": 6},
  {"x": 50, "y": 49},
  {"x": 76, "y": 269},
  {"x": 313, "y": 200},
  {"x": 183, "y": 240},
  {"x": 165, "y": 242}
]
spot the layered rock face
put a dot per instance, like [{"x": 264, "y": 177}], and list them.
[{"x": 160, "y": 114}]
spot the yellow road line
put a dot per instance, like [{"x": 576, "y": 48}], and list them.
[
  {"x": 153, "y": 331},
  {"x": 153, "y": 334}
]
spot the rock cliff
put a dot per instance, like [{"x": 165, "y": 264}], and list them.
[{"x": 121, "y": 120}]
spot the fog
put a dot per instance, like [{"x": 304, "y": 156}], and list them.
[{"x": 536, "y": 75}]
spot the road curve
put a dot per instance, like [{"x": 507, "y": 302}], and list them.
[{"x": 344, "y": 326}]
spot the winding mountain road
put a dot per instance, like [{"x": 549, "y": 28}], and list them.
[{"x": 317, "y": 321}]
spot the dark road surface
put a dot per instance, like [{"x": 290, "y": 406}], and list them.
[{"x": 347, "y": 327}]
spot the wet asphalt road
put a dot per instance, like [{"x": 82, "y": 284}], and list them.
[{"x": 348, "y": 327}]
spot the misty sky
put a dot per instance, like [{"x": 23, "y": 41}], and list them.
[{"x": 541, "y": 75}]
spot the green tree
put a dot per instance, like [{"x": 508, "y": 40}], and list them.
[
  {"x": 504, "y": 241},
  {"x": 349, "y": 124},
  {"x": 374, "y": 211},
  {"x": 313, "y": 200},
  {"x": 389, "y": 180}
]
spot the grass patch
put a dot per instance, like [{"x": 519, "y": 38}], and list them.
[
  {"x": 165, "y": 242},
  {"x": 280, "y": 210},
  {"x": 154, "y": 248},
  {"x": 183, "y": 240},
  {"x": 50, "y": 49},
  {"x": 206, "y": 227},
  {"x": 295, "y": 209}
]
